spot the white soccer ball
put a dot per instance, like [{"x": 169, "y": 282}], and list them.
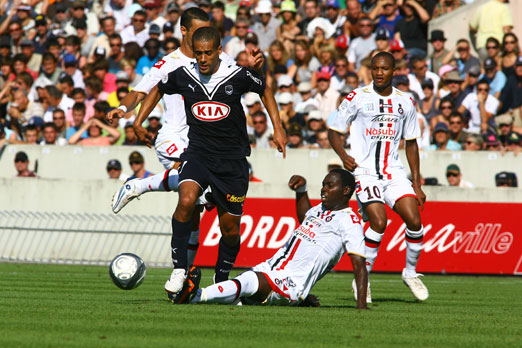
[{"x": 127, "y": 271}]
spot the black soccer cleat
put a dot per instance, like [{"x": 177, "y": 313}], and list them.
[{"x": 190, "y": 287}]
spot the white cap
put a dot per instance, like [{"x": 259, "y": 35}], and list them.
[
  {"x": 284, "y": 98},
  {"x": 251, "y": 98},
  {"x": 264, "y": 6},
  {"x": 315, "y": 115},
  {"x": 284, "y": 80},
  {"x": 304, "y": 87}
]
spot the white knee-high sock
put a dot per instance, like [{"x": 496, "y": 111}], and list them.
[
  {"x": 165, "y": 181},
  {"x": 413, "y": 249},
  {"x": 244, "y": 285},
  {"x": 372, "y": 241},
  {"x": 193, "y": 245}
]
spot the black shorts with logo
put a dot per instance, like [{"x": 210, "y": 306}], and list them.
[{"x": 228, "y": 179}]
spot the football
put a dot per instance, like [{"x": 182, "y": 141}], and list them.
[{"x": 127, "y": 271}]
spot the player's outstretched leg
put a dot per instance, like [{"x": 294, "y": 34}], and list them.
[
  {"x": 165, "y": 181},
  {"x": 408, "y": 210},
  {"x": 230, "y": 291},
  {"x": 376, "y": 214}
]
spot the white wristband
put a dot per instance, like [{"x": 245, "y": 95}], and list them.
[
  {"x": 301, "y": 189},
  {"x": 123, "y": 108}
]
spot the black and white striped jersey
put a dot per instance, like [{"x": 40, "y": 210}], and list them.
[
  {"x": 378, "y": 124},
  {"x": 217, "y": 123}
]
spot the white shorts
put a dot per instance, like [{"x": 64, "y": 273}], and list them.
[
  {"x": 284, "y": 289},
  {"x": 369, "y": 189},
  {"x": 169, "y": 146}
]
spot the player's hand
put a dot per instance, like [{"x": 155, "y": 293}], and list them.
[
  {"x": 420, "y": 196},
  {"x": 143, "y": 135},
  {"x": 296, "y": 181},
  {"x": 349, "y": 163},
  {"x": 114, "y": 114},
  {"x": 256, "y": 59},
  {"x": 280, "y": 140}
]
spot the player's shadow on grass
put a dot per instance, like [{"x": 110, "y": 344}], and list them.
[
  {"x": 134, "y": 302},
  {"x": 384, "y": 300}
]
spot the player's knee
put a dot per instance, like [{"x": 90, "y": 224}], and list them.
[
  {"x": 414, "y": 224},
  {"x": 230, "y": 232},
  {"x": 186, "y": 204},
  {"x": 378, "y": 224}
]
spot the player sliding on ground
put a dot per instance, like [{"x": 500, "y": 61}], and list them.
[
  {"x": 380, "y": 116},
  {"x": 327, "y": 231},
  {"x": 217, "y": 149}
]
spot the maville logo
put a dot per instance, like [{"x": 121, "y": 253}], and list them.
[
  {"x": 235, "y": 199},
  {"x": 209, "y": 111}
]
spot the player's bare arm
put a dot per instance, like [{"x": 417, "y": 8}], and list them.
[
  {"x": 127, "y": 104},
  {"x": 361, "y": 279},
  {"x": 412, "y": 154},
  {"x": 302, "y": 202},
  {"x": 271, "y": 106},
  {"x": 148, "y": 104},
  {"x": 337, "y": 142}
]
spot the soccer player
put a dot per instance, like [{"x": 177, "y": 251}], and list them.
[
  {"x": 327, "y": 231},
  {"x": 218, "y": 146},
  {"x": 380, "y": 117},
  {"x": 172, "y": 138}
]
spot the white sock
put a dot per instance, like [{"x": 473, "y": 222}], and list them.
[
  {"x": 193, "y": 245},
  {"x": 413, "y": 250},
  {"x": 157, "y": 182},
  {"x": 372, "y": 241},
  {"x": 246, "y": 284}
]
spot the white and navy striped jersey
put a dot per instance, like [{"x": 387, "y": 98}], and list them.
[
  {"x": 377, "y": 125},
  {"x": 217, "y": 123},
  {"x": 317, "y": 245},
  {"x": 174, "y": 116}
]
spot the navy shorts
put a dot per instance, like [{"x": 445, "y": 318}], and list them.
[{"x": 228, "y": 179}]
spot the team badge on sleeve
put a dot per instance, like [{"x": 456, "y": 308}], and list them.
[
  {"x": 351, "y": 95},
  {"x": 159, "y": 64}
]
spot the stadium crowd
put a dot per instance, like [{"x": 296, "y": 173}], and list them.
[{"x": 64, "y": 64}]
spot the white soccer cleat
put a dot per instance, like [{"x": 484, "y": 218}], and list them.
[
  {"x": 368, "y": 292},
  {"x": 126, "y": 194},
  {"x": 176, "y": 281},
  {"x": 417, "y": 287}
]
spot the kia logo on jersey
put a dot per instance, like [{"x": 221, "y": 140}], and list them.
[{"x": 209, "y": 111}]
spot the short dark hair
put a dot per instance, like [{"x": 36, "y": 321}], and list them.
[
  {"x": 347, "y": 179},
  {"x": 50, "y": 125},
  {"x": 78, "y": 90},
  {"x": 385, "y": 55},
  {"x": 101, "y": 106},
  {"x": 218, "y": 4},
  {"x": 73, "y": 40},
  {"x": 259, "y": 113},
  {"x": 456, "y": 114},
  {"x": 208, "y": 34},
  {"x": 193, "y": 13},
  {"x": 415, "y": 59},
  {"x": 140, "y": 13},
  {"x": 79, "y": 107},
  {"x": 20, "y": 57},
  {"x": 483, "y": 81},
  {"x": 53, "y": 91},
  {"x": 171, "y": 40},
  {"x": 48, "y": 56},
  {"x": 26, "y": 77},
  {"x": 115, "y": 36},
  {"x": 66, "y": 79}
]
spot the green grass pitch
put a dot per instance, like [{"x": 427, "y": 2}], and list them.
[{"x": 78, "y": 306}]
